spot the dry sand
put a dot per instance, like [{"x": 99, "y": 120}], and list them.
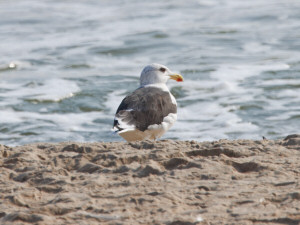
[{"x": 163, "y": 182}]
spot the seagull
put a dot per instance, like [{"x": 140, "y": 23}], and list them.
[{"x": 149, "y": 111}]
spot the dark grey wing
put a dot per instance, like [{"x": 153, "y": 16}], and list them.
[{"x": 144, "y": 107}]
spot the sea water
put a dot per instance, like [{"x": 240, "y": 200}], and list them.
[{"x": 65, "y": 66}]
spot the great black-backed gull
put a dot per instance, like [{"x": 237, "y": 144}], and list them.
[{"x": 149, "y": 111}]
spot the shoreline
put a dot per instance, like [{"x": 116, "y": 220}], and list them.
[{"x": 162, "y": 182}]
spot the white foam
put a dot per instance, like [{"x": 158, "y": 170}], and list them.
[
  {"x": 114, "y": 99},
  {"x": 9, "y": 116},
  {"x": 66, "y": 120},
  {"x": 209, "y": 121},
  {"x": 240, "y": 72},
  {"x": 278, "y": 82},
  {"x": 68, "y": 126},
  {"x": 9, "y": 85},
  {"x": 256, "y": 47},
  {"x": 283, "y": 116},
  {"x": 53, "y": 90},
  {"x": 289, "y": 93}
]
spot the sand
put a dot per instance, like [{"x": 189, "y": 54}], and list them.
[{"x": 163, "y": 182}]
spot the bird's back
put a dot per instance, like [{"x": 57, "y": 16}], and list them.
[{"x": 145, "y": 107}]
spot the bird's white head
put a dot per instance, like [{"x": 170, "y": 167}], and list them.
[{"x": 156, "y": 74}]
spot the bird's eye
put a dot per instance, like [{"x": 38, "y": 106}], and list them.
[{"x": 162, "y": 69}]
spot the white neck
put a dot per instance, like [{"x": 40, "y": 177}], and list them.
[{"x": 158, "y": 85}]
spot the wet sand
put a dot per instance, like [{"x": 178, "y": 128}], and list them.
[{"x": 163, "y": 182}]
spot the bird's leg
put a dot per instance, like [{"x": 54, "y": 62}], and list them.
[{"x": 155, "y": 138}]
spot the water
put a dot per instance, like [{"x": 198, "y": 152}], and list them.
[{"x": 65, "y": 66}]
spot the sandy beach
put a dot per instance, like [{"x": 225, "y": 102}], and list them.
[{"x": 163, "y": 182}]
